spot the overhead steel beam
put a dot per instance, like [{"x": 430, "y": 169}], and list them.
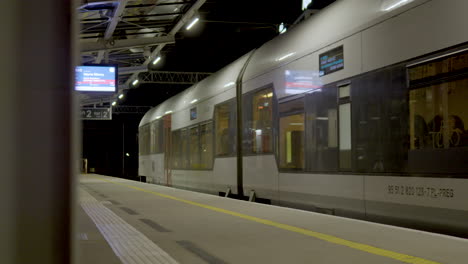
[
  {"x": 111, "y": 26},
  {"x": 167, "y": 77},
  {"x": 125, "y": 43},
  {"x": 135, "y": 69},
  {"x": 183, "y": 20}
]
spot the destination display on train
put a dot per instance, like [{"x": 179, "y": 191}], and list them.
[
  {"x": 331, "y": 61},
  {"x": 95, "y": 78}
]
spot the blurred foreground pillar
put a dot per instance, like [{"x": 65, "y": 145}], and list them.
[{"x": 36, "y": 133}]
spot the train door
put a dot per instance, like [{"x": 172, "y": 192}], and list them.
[{"x": 167, "y": 149}]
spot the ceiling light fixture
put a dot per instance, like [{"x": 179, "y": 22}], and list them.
[
  {"x": 281, "y": 28},
  {"x": 194, "y": 101},
  {"x": 194, "y": 21},
  {"x": 121, "y": 96},
  {"x": 168, "y": 112},
  {"x": 135, "y": 82},
  {"x": 114, "y": 103},
  {"x": 156, "y": 60}
]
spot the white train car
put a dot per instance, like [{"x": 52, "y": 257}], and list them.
[{"x": 359, "y": 111}]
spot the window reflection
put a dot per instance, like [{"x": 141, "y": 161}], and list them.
[
  {"x": 438, "y": 114},
  {"x": 262, "y": 121},
  {"x": 206, "y": 146},
  {"x": 222, "y": 120},
  {"x": 291, "y": 142}
]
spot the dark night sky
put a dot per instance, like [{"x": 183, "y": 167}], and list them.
[{"x": 227, "y": 30}]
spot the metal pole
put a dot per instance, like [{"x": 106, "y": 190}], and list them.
[
  {"x": 123, "y": 148},
  {"x": 38, "y": 156}
]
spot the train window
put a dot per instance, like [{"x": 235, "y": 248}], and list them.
[
  {"x": 321, "y": 137},
  {"x": 438, "y": 115},
  {"x": 224, "y": 115},
  {"x": 206, "y": 146},
  {"x": 158, "y": 137},
  {"x": 291, "y": 142},
  {"x": 194, "y": 148},
  {"x": 184, "y": 151},
  {"x": 176, "y": 150},
  {"x": 262, "y": 121},
  {"x": 344, "y": 112},
  {"x": 153, "y": 136},
  {"x": 144, "y": 140}
]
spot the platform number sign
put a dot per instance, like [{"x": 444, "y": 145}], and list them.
[
  {"x": 331, "y": 61},
  {"x": 96, "y": 113}
]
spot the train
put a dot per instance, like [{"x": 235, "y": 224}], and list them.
[{"x": 359, "y": 111}]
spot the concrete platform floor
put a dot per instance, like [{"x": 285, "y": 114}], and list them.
[{"x": 123, "y": 221}]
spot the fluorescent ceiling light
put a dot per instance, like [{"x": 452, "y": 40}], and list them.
[
  {"x": 121, "y": 96},
  {"x": 192, "y": 23},
  {"x": 127, "y": 154},
  {"x": 158, "y": 117},
  {"x": 135, "y": 82},
  {"x": 397, "y": 4},
  {"x": 281, "y": 28},
  {"x": 194, "y": 101},
  {"x": 168, "y": 112},
  {"x": 156, "y": 60},
  {"x": 114, "y": 103},
  {"x": 285, "y": 56}
]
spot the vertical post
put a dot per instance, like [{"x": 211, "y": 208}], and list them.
[
  {"x": 37, "y": 135},
  {"x": 239, "y": 126},
  {"x": 123, "y": 148}
]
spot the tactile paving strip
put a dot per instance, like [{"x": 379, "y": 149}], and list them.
[{"x": 130, "y": 245}]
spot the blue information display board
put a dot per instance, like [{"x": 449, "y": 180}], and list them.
[
  {"x": 331, "y": 61},
  {"x": 95, "y": 78}
]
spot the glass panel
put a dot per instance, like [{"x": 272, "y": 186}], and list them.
[
  {"x": 438, "y": 114},
  {"x": 222, "y": 121},
  {"x": 291, "y": 143},
  {"x": 206, "y": 144},
  {"x": 345, "y": 135},
  {"x": 184, "y": 151},
  {"x": 153, "y": 136},
  {"x": 194, "y": 148},
  {"x": 176, "y": 150},
  {"x": 262, "y": 121},
  {"x": 344, "y": 91},
  {"x": 322, "y": 129},
  {"x": 144, "y": 139}
]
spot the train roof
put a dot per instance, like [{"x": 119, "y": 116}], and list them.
[
  {"x": 220, "y": 81},
  {"x": 336, "y": 22},
  {"x": 339, "y": 20}
]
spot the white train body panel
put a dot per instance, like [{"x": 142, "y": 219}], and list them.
[
  {"x": 372, "y": 40},
  {"x": 201, "y": 181}
]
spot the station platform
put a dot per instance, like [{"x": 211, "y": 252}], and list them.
[{"x": 123, "y": 221}]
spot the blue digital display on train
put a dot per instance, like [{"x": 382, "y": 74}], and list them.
[{"x": 331, "y": 61}]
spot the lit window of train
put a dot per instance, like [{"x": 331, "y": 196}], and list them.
[
  {"x": 261, "y": 130},
  {"x": 224, "y": 117},
  {"x": 291, "y": 142}
]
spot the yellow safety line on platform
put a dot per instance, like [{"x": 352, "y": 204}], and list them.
[{"x": 329, "y": 238}]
